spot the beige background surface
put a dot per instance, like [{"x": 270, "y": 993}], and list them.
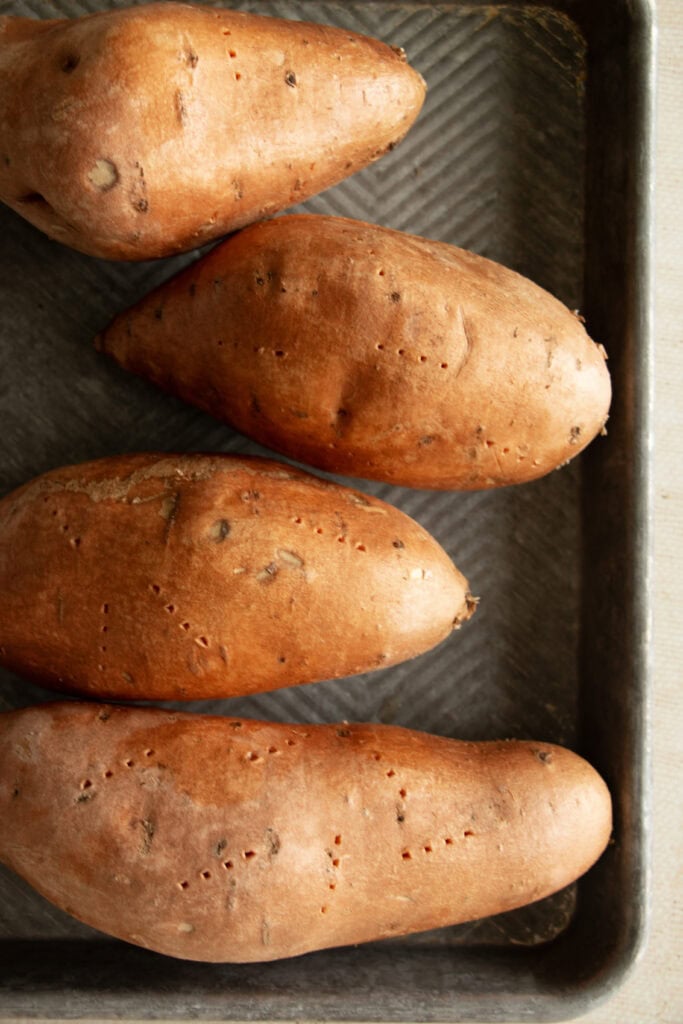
[{"x": 653, "y": 994}]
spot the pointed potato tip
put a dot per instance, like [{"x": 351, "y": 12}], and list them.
[{"x": 467, "y": 611}]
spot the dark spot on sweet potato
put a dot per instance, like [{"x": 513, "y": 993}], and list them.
[
  {"x": 141, "y": 205},
  {"x": 400, "y": 816},
  {"x": 70, "y": 62},
  {"x": 220, "y": 530},
  {"x": 83, "y": 798},
  {"x": 260, "y": 281},
  {"x": 158, "y": 313},
  {"x": 148, "y": 830},
  {"x": 191, "y": 58},
  {"x": 34, "y": 199},
  {"x": 343, "y": 732},
  {"x": 104, "y": 716},
  {"x": 290, "y": 79},
  {"x": 180, "y": 108},
  {"x": 169, "y": 512},
  {"x": 398, "y": 544},
  {"x": 574, "y": 435},
  {"x": 395, "y": 296},
  {"x": 545, "y": 756},
  {"x": 15, "y": 792},
  {"x": 268, "y": 573},
  {"x": 235, "y": 725},
  {"x": 273, "y": 842},
  {"x": 220, "y": 846}
]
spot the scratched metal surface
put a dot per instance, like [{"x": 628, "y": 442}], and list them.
[{"x": 496, "y": 163}]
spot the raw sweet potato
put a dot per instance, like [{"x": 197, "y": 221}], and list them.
[
  {"x": 229, "y": 840},
  {"x": 180, "y": 577},
  {"x": 145, "y": 131},
  {"x": 364, "y": 351}
]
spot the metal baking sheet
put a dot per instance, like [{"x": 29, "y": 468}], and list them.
[{"x": 533, "y": 149}]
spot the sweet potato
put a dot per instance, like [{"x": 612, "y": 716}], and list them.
[
  {"x": 372, "y": 353},
  {"x": 141, "y": 132},
  {"x": 229, "y": 840},
  {"x": 180, "y": 577}
]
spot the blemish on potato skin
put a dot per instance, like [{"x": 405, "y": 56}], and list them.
[
  {"x": 180, "y": 108},
  {"x": 148, "y": 830},
  {"x": 104, "y": 175},
  {"x": 69, "y": 62},
  {"x": 219, "y": 530},
  {"x": 273, "y": 842},
  {"x": 290, "y": 79},
  {"x": 169, "y": 512},
  {"x": 290, "y": 558},
  {"x": 268, "y": 573}
]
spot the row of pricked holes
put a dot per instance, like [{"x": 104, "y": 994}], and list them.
[
  {"x": 280, "y": 353},
  {"x": 401, "y": 352},
  {"x": 228, "y": 865},
  {"x": 335, "y": 864},
  {"x": 319, "y": 530},
  {"x": 254, "y": 756},
  {"x": 448, "y": 841},
  {"x": 128, "y": 763},
  {"x": 75, "y": 541},
  {"x": 171, "y": 609}
]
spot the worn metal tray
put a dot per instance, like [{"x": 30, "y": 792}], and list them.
[{"x": 534, "y": 149}]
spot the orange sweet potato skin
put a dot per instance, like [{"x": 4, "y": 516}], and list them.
[
  {"x": 181, "y": 577},
  {"x": 140, "y": 132},
  {"x": 372, "y": 353},
  {"x": 229, "y": 840}
]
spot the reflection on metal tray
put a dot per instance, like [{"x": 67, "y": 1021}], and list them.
[{"x": 524, "y": 152}]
